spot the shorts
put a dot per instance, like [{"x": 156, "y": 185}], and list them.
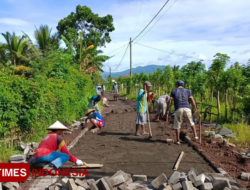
[
  {"x": 161, "y": 105},
  {"x": 180, "y": 114},
  {"x": 141, "y": 118},
  {"x": 98, "y": 123}
]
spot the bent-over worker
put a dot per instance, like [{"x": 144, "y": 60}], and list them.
[
  {"x": 181, "y": 97},
  {"x": 47, "y": 149},
  {"x": 161, "y": 105},
  {"x": 96, "y": 119},
  {"x": 93, "y": 102}
]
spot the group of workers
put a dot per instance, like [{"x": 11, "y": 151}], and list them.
[
  {"x": 53, "y": 141},
  {"x": 181, "y": 98}
]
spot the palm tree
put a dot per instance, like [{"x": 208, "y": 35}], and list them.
[
  {"x": 44, "y": 38},
  {"x": 15, "y": 47}
]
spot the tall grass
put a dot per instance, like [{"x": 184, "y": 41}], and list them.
[{"x": 242, "y": 131}]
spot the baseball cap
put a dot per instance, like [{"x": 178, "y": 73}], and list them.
[
  {"x": 147, "y": 83},
  {"x": 180, "y": 83}
]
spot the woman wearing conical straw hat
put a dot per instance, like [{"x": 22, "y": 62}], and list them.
[{"x": 47, "y": 149}]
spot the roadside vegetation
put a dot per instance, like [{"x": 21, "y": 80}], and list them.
[{"x": 41, "y": 82}]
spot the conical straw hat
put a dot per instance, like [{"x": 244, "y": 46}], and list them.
[
  {"x": 57, "y": 125},
  {"x": 90, "y": 110}
]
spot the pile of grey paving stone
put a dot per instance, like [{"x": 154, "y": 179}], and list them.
[{"x": 192, "y": 180}]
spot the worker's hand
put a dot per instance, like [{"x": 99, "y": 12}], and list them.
[
  {"x": 145, "y": 89},
  {"x": 79, "y": 163}
]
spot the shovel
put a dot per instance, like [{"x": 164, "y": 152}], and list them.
[
  {"x": 149, "y": 126},
  {"x": 198, "y": 116}
]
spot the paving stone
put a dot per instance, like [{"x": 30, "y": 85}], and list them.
[
  {"x": 244, "y": 176},
  {"x": 17, "y": 157},
  {"x": 104, "y": 184},
  {"x": 220, "y": 184},
  {"x": 34, "y": 145},
  {"x": 93, "y": 186},
  {"x": 117, "y": 180},
  {"x": 168, "y": 188},
  {"x": 8, "y": 185},
  {"x": 65, "y": 181},
  {"x": 200, "y": 180},
  {"x": 183, "y": 178},
  {"x": 135, "y": 185},
  {"x": 139, "y": 178},
  {"x": 187, "y": 185},
  {"x": 226, "y": 188},
  {"x": 80, "y": 188},
  {"x": 195, "y": 171},
  {"x": 1, "y": 186},
  {"x": 177, "y": 186},
  {"x": 225, "y": 131},
  {"x": 206, "y": 186},
  {"x": 82, "y": 183},
  {"x": 218, "y": 136},
  {"x": 192, "y": 176},
  {"x": 71, "y": 184},
  {"x": 90, "y": 181},
  {"x": 52, "y": 187},
  {"x": 15, "y": 184},
  {"x": 26, "y": 150},
  {"x": 18, "y": 161},
  {"x": 174, "y": 178},
  {"x": 248, "y": 153},
  {"x": 159, "y": 180},
  {"x": 58, "y": 188},
  {"x": 233, "y": 187},
  {"x": 126, "y": 176}
]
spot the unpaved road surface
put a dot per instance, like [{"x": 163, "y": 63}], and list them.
[{"x": 117, "y": 148}]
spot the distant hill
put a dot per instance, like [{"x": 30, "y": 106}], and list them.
[{"x": 138, "y": 70}]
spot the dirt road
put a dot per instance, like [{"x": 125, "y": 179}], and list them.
[{"x": 117, "y": 148}]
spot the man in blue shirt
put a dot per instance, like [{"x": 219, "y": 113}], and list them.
[
  {"x": 142, "y": 109},
  {"x": 181, "y": 97}
]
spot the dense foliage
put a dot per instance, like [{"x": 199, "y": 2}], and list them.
[{"x": 40, "y": 82}]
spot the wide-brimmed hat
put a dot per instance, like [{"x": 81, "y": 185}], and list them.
[
  {"x": 147, "y": 83},
  {"x": 89, "y": 111},
  {"x": 57, "y": 125}
]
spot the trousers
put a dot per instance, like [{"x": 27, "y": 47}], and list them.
[{"x": 56, "y": 158}]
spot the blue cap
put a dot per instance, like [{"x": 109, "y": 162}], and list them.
[{"x": 180, "y": 83}]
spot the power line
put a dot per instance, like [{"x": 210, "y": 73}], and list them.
[
  {"x": 118, "y": 52},
  {"x": 151, "y": 20},
  {"x": 122, "y": 57},
  {"x": 156, "y": 21},
  {"x": 116, "y": 49},
  {"x": 152, "y": 47},
  {"x": 138, "y": 16}
]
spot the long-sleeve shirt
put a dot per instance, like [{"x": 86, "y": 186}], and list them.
[
  {"x": 141, "y": 102},
  {"x": 53, "y": 142}
]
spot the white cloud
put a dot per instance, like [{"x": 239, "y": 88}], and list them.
[
  {"x": 202, "y": 57},
  {"x": 13, "y": 21}
]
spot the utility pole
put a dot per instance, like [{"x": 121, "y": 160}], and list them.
[
  {"x": 110, "y": 71},
  {"x": 130, "y": 58}
]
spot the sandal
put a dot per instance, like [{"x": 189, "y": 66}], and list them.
[
  {"x": 145, "y": 133},
  {"x": 178, "y": 143},
  {"x": 138, "y": 134}
]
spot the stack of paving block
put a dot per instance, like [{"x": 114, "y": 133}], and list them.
[{"x": 192, "y": 180}]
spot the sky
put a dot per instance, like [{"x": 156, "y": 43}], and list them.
[{"x": 184, "y": 31}]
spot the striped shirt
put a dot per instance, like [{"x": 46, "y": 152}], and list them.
[{"x": 141, "y": 102}]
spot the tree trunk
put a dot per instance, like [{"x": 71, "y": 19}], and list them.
[
  {"x": 14, "y": 61},
  {"x": 218, "y": 103},
  {"x": 226, "y": 105},
  {"x": 212, "y": 95}
]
